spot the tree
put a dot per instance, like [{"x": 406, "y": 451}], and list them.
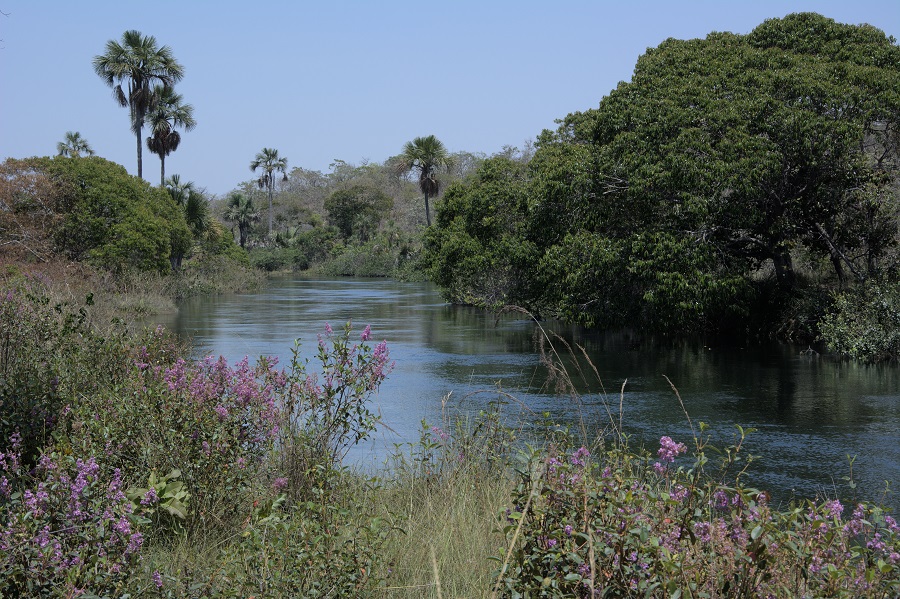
[
  {"x": 242, "y": 212},
  {"x": 270, "y": 163},
  {"x": 179, "y": 190},
  {"x": 168, "y": 113},
  {"x": 685, "y": 198},
  {"x": 138, "y": 63},
  {"x": 74, "y": 146},
  {"x": 194, "y": 203},
  {"x": 357, "y": 208},
  {"x": 426, "y": 156}
]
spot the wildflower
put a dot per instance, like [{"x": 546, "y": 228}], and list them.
[
  {"x": 702, "y": 531},
  {"x": 669, "y": 449},
  {"x": 438, "y": 432},
  {"x": 157, "y": 579},
  {"x": 579, "y": 457},
  {"x": 720, "y": 500},
  {"x": 568, "y": 530},
  {"x": 367, "y": 333},
  {"x": 659, "y": 468},
  {"x": 279, "y": 484},
  {"x": 834, "y": 509},
  {"x": 328, "y": 329},
  {"x": 222, "y": 412},
  {"x": 150, "y": 497}
]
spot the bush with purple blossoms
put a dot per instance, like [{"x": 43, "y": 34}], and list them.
[
  {"x": 613, "y": 525},
  {"x": 326, "y": 412},
  {"x": 66, "y": 529}
]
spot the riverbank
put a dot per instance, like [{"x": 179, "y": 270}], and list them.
[{"x": 127, "y": 468}]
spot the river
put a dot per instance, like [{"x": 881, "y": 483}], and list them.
[{"x": 813, "y": 414}]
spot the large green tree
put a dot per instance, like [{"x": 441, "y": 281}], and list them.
[
  {"x": 74, "y": 146},
  {"x": 688, "y": 195},
  {"x": 132, "y": 68},
  {"x": 269, "y": 162},
  {"x": 167, "y": 114},
  {"x": 357, "y": 209},
  {"x": 425, "y": 156}
]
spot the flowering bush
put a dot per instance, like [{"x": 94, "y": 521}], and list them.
[
  {"x": 581, "y": 526},
  {"x": 66, "y": 528},
  {"x": 325, "y": 413}
]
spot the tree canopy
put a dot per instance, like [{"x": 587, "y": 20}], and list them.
[{"x": 693, "y": 190}]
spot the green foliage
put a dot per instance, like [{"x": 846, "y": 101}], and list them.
[
  {"x": 612, "y": 525},
  {"x": 864, "y": 323},
  {"x": 312, "y": 550},
  {"x": 48, "y": 357},
  {"x": 357, "y": 210},
  {"x": 299, "y": 250},
  {"x": 671, "y": 204},
  {"x": 109, "y": 217},
  {"x": 476, "y": 251}
]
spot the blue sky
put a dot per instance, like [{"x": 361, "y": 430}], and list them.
[{"x": 346, "y": 80}]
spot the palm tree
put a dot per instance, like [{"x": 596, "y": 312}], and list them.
[
  {"x": 166, "y": 114},
  {"x": 178, "y": 190},
  {"x": 425, "y": 155},
  {"x": 74, "y": 145},
  {"x": 270, "y": 163},
  {"x": 138, "y": 63},
  {"x": 242, "y": 212},
  {"x": 193, "y": 202}
]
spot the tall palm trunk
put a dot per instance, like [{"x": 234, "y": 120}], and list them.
[
  {"x": 270, "y": 205},
  {"x": 140, "y": 153},
  {"x": 162, "y": 170},
  {"x": 427, "y": 210}
]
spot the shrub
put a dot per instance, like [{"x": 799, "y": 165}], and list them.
[
  {"x": 865, "y": 323},
  {"x": 580, "y": 526},
  {"x": 48, "y": 354},
  {"x": 66, "y": 528}
]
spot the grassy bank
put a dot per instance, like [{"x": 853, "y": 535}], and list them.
[{"x": 128, "y": 470}]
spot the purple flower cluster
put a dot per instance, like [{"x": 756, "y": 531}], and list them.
[{"x": 669, "y": 449}]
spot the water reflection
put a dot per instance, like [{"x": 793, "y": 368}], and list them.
[{"x": 810, "y": 412}]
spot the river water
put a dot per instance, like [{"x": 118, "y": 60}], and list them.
[{"x": 813, "y": 414}]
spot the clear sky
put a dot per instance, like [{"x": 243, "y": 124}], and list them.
[{"x": 347, "y": 80}]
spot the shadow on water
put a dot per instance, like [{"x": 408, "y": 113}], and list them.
[{"x": 811, "y": 412}]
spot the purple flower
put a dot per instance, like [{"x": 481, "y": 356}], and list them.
[
  {"x": 568, "y": 530},
  {"x": 279, "y": 484},
  {"x": 222, "y": 412},
  {"x": 580, "y": 456},
  {"x": 157, "y": 579},
  {"x": 702, "y": 530},
  {"x": 328, "y": 329},
  {"x": 669, "y": 449},
  {"x": 367, "y": 333},
  {"x": 150, "y": 497},
  {"x": 834, "y": 509}
]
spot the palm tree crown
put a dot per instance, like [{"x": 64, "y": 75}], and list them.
[
  {"x": 138, "y": 63},
  {"x": 270, "y": 163},
  {"x": 242, "y": 212},
  {"x": 166, "y": 113},
  {"x": 74, "y": 146},
  {"x": 425, "y": 156}
]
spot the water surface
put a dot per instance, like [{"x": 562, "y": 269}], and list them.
[{"x": 812, "y": 413}]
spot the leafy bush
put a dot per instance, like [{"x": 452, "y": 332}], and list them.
[
  {"x": 217, "y": 424},
  {"x": 65, "y": 528},
  {"x": 48, "y": 355},
  {"x": 865, "y": 323},
  {"x": 618, "y": 526},
  {"x": 311, "y": 550}
]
